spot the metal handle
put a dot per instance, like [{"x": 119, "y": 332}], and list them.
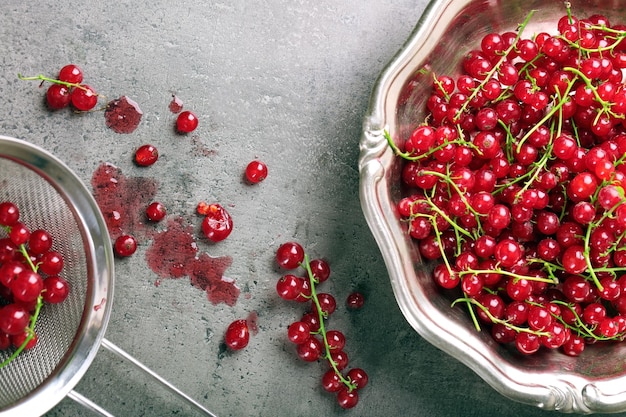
[{"x": 85, "y": 402}]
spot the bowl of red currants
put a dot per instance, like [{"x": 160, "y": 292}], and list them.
[{"x": 492, "y": 177}]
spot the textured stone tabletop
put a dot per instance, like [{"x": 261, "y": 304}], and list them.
[{"x": 286, "y": 82}]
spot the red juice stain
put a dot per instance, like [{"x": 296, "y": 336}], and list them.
[
  {"x": 122, "y": 115},
  {"x": 176, "y": 105},
  {"x": 122, "y": 200},
  {"x": 174, "y": 254},
  {"x": 172, "y": 250},
  {"x": 200, "y": 148},
  {"x": 252, "y": 321}
]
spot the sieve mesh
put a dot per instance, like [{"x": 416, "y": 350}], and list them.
[{"x": 50, "y": 197}]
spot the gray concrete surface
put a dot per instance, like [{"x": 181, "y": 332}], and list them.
[{"x": 287, "y": 82}]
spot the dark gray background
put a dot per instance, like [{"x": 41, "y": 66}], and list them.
[{"x": 287, "y": 82}]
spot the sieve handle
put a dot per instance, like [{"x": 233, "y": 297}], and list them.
[
  {"x": 121, "y": 353},
  {"x": 87, "y": 403}
]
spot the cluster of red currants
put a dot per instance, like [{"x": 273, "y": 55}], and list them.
[
  {"x": 309, "y": 334},
  {"x": 515, "y": 184},
  {"x": 68, "y": 88},
  {"x": 29, "y": 277}
]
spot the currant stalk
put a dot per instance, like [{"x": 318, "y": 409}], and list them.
[
  {"x": 33, "y": 319},
  {"x": 321, "y": 316}
]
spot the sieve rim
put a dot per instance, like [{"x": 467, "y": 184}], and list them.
[{"x": 100, "y": 286}]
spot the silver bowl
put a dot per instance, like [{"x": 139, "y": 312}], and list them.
[{"x": 592, "y": 383}]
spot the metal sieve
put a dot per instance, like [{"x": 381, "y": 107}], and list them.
[{"x": 52, "y": 197}]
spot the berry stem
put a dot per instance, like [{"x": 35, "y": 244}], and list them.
[{"x": 307, "y": 266}]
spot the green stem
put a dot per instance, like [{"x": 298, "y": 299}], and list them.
[{"x": 348, "y": 383}]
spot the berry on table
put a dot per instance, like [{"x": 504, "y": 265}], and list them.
[
  {"x": 83, "y": 97},
  {"x": 156, "y": 211},
  {"x": 217, "y": 223},
  {"x": 146, "y": 155},
  {"x": 186, "y": 122},
  {"x": 71, "y": 73},
  {"x": 355, "y": 300},
  {"x": 237, "y": 335},
  {"x": 256, "y": 171},
  {"x": 125, "y": 245},
  {"x": 58, "y": 96},
  {"x": 289, "y": 255}
]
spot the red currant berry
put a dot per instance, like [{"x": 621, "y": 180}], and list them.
[
  {"x": 340, "y": 359},
  {"x": 289, "y": 255},
  {"x": 347, "y": 398},
  {"x": 320, "y": 270},
  {"x": 9, "y": 213},
  {"x": 58, "y": 96},
  {"x": 358, "y": 377},
  {"x": 84, "y": 98},
  {"x": 51, "y": 263},
  {"x": 256, "y": 171},
  {"x": 237, "y": 335},
  {"x": 125, "y": 245},
  {"x": 56, "y": 289},
  {"x": 355, "y": 300},
  {"x": 146, "y": 155},
  {"x": 331, "y": 382},
  {"x": 156, "y": 211},
  {"x": 186, "y": 122},
  {"x": 19, "y": 339},
  {"x": 217, "y": 224},
  {"x": 289, "y": 287},
  {"x": 527, "y": 343},
  {"x": 310, "y": 350},
  {"x": 336, "y": 339},
  {"x": 27, "y": 286},
  {"x": 298, "y": 332},
  {"x": 71, "y": 74},
  {"x": 13, "y": 319},
  {"x": 39, "y": 242},
  {"x": 19, "y": 233},
  {"x": 327, "y": 304}
]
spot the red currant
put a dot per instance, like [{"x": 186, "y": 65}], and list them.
[
  {"x": 156, "y": 211},
  {"x": 237, "y": 335},
  {"x": 217, "y": 224},
  {"x": 298, "y": 332},
  {"x": 146, "y": 155},
  {"x": 347, "y": 398},
  {"x": 256, "y": 171},
  {"x": 289, "y": 255},
  {"x": 355, "y": 300},
  {"x": 56, "y": 289},
  {"x": 58, "y": 96},
  {"x": 186, "y": 122},
  {"x": 83, "y": 97},
  {"x": 71, "y": 74},
  {"x": 125, "y": 245}
]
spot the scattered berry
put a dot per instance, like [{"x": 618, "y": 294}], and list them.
[
  {"x": 256, "y": 171},
  {"x": 186, "y": 122},
  {"x": 355, "y": 300},
  {"x": 237, "y": 335},
  {"x": 146, "y": 155},
  {"x": 125, "y": 245},
  {"x": 217, "y": 223},
  {"x": 156, "y": 211}
]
